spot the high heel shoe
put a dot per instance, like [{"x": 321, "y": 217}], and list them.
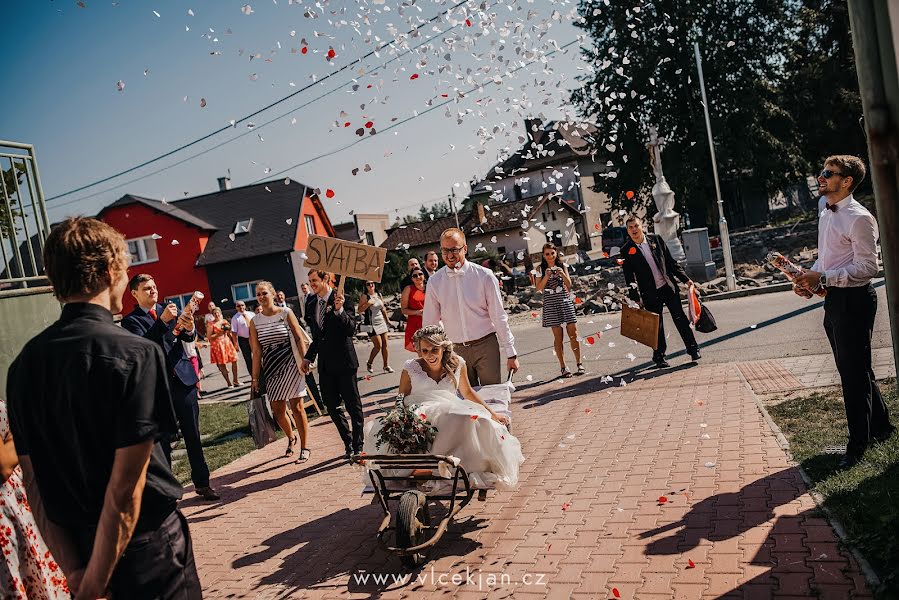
[{"x": 290, "y": 445}]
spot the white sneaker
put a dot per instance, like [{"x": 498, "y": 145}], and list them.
[{"x": 388, "y": 369}]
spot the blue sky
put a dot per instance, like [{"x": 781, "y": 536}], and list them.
[{"x": 68, "y": 60}]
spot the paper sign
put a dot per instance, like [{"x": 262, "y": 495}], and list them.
[{"x": 360, "y": 261}]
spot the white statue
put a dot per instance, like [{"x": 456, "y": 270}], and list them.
[{"x": 666, "y": 219}]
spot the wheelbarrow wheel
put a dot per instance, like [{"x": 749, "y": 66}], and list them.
[{"x": 410, "y": 526}]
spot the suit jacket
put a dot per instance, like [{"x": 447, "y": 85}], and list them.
[
  {"x": 332, "y": 343},
  {"x": 177, "y": 363},
  {"x": 636, "y": 269}
]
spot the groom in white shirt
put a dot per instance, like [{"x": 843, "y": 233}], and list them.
[
  {"x": 847, "y": 260},
  {"x": 466, "y": 298}
]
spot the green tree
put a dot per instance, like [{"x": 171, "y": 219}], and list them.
[
  {"x": 15, "y": 173},
  {"x": 439, "y": 209},
  {"x": 821, "y": 91},
  {"x": 644, "y": 74}
]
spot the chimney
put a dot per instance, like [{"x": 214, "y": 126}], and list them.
[
  {"x": 533, "y": 128},
  {"x": 224, "y": 184},
  {"x": 479, "y": 213}
]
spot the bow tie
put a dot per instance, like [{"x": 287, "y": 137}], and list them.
[
  {"x": 830, "y": 207},
  {"x": 454, "y": 272}
]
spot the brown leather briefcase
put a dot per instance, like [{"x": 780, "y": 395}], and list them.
[{"x": 640, "y": 325}]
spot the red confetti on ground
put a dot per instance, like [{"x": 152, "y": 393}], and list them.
[
  {"x": 414, "y": 76},
  {"x": 347, "y": 124},
  {"x": 577, "y": 300},
  {"x": 596, "y": 226},
  {"x": 662, "y": 499},
  {"x": 423, "y": 416},
  {"x": 468, "y": 22},
  {"x": 534, "y": 315},
  {"x": 590, "y": 341},
  {"x": 566, "y": 506},
  {"x": 616, "y": 593},
  {"x": 329, "y": 193},
  {"x": 331, "y": 53},
  {"x": 474, "y": 417},
  {"x": 304, "y": 50},
  {"x": 588, "y": 410},
  {"x": 445, "y": 95},
  {"x": 502, "y": 437},
  {"x": 368, "y": 378},
  {"x": 691, "y": 564},
  {"x": 630, "y": 195},
  {"x": 368, "y": 87},
  {"x": 369, "y": 125}
]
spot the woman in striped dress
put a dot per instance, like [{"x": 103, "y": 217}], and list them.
[
  {"x": 274, "y": 360},
  {"x": 558, "y": 309}
]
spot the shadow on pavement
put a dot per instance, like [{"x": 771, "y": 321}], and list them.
[
  {"x": 797, "y": 552},
  {"x": 340, "y": 552}
]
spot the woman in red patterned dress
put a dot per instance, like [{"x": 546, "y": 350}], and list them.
[
  {"x": 221, "y": 348},
  {"x": 28, "y": 569}
]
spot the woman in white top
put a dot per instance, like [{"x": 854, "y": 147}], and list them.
[
  {"x": 466, "y": 428},
  {"x": 370, "y": 301},
  {"x": 275, "y": 363}
]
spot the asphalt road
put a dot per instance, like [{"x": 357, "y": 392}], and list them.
[{"x": 757, "y": 327}]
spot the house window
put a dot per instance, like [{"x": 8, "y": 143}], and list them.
[
  {"x": 310, "y": 224},
  {"x": 369, "y": 238},
  {"x": 244, "y": 291},
  {"x": 180, "y": 300},
  {"x": 142, "y": 250},
  {"x": 243, "y": 226}
]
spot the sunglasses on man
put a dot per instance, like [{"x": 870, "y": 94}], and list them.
[{"x": 827, "y": 174}]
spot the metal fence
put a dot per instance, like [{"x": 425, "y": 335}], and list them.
[{"x": 23, "y": 218}]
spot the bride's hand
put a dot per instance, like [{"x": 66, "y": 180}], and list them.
[{"x": 501, "y": 419}]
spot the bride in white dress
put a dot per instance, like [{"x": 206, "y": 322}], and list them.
[{"x": 466, "y": 428}]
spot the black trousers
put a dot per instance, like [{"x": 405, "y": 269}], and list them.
[
  {"x": 337, "y": 387},
  {"x": 665, "y": 296},
  {"x": 849, "y": 322},
  {"x": 187, "y": 409},
  {"x": 244, "y": 344},
  {"x": 157, "y": 564}
]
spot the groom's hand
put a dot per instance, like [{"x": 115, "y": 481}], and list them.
[{"x": 512, "y": 364}]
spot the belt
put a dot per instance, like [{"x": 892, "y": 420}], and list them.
[{"x": 478, "y": 341}]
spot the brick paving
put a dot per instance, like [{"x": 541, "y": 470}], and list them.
[{"x": 586, "y": 521}]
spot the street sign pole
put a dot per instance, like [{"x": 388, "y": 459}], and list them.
[{"x": 722, "y": 222}]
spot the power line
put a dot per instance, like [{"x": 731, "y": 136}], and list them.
[{"x": 257, "y": 112}]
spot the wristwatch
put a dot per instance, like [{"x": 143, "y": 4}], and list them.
[{"x": 823, "y": 280}]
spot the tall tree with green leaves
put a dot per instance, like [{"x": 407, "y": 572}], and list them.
[
  {"x": 821, "y": 91},
  {"x": 11, "y": 176},
  {"x": 643, "y": 74}
]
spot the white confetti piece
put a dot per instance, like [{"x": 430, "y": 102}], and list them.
[
  {"x": 175, "y": 242},
  {"x": 120, "y": 85},
  {"x": 710, "y": 464},
  {"x": 246, "y": 9},
  {"x": 731, "y": 44},
  {"x": 156, "y": 236}
]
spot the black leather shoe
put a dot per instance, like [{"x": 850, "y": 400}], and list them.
[
  {"x": 882, "y": 437},
  {"x": 349, "y": 453},
  {"x": 207, "y": 493},
  {"x": 850, "y": 460},
  {"x": 695, "y": 355},
  {"x": 661, "y": 363}
]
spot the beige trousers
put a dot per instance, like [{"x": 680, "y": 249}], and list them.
[{"x": 483, "y": 360}]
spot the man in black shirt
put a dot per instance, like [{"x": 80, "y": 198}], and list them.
[{"x": 88, "y": 403}]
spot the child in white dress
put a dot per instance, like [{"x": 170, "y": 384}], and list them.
[{"x": 467, "y": 429}]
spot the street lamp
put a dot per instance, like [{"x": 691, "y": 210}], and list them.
[{"x": 722, "y": 222}]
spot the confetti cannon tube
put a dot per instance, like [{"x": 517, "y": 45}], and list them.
[
  {"x": 189, "y": 309},
  {"x": 791, "y": 270}
]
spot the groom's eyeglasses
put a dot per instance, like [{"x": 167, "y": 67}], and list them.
[{"x": 451, "y": 251}]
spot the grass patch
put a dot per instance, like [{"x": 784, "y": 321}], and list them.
[{"x": 865, "y": 498}]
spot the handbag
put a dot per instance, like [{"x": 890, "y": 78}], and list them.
[
  {"x": 700, "y": 315},
  {"x": 260, "y": 421}
]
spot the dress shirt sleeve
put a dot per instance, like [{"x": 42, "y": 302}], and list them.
[
  {"x": 498, "y": 315},
  {"x": 863, "y": 234},
  {"x": 145, "y": 401},
  {"x": 431, "y": 313}
]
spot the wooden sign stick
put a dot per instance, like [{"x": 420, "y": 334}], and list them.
[{"x": 340, "y": 284}]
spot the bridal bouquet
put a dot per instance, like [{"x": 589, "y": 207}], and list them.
[{"x": 406, "y": 431}]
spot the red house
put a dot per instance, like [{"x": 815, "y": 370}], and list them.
[{"x": 221, "y": 243}]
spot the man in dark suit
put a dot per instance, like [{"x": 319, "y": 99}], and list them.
[
  {"x": 649, "y": 264},
  {"x": 156, "y": 322},
  {"x": 333, "y": 323}
]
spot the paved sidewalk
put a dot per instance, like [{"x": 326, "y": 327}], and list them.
[{"x": 588, "y": 520}]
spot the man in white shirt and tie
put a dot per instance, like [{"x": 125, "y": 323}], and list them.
[
  {"x": 847, "y": 260},
  {"x": 466, "y": 298}
]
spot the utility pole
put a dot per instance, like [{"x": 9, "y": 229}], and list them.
[
  {"x": 871, "y": 22},
  {"x": 722, "y": 222}
]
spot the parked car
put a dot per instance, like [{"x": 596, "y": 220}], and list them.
[{"x": 613, "y": 237}]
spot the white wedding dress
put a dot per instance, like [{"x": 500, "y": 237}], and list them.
[{"x": 487, "y": 451}]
